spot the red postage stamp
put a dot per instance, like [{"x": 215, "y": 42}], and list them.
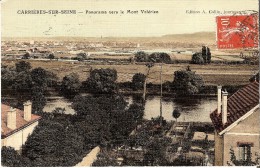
[{"x": 239, "y": 31}]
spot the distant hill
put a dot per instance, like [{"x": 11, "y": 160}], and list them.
[{"x": 199, "y": 37}]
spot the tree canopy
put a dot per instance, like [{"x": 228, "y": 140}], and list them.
[
  {"x": 70, "y": 85},
  {"x": 102, "y": 81},
  {"x": 187, "y": 82},
  {"x": 138, "y": 81}
]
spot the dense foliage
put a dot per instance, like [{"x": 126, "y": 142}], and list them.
[
  {"x": 62, "y": 140},
  {"x": 70, "y": 85},
  {"x": 11, "y": 158},
  {"x": 159, "y": 57},
  {"x": 105, "y": 118},
  {"x": 197, "y": 58},
  {"x": 26, "y": 84},
  {"x": 141, "y": 56},
  {"x": 138, "y": 81},
  {"x": 102, "y": 81},
  {"x": 202, "y": 57},
  {"x": 186, "y": 82}
]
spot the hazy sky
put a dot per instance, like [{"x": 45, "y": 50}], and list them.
[{"x": 171, "y": 19}]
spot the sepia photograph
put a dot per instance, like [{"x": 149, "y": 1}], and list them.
[{"x": 129, "y": 83}]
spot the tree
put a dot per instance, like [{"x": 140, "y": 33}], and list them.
[
  {"x": 81, "y": 56},
  {"x": 204, "y": 53},
  {"x": 156, "y": 151},
  {"x": 141, "y": 56},
  {"x": 26, "y": 56},
  {"x": 7, "y": 77},
  {"x": 39, "y": 77},
  {"x": 38, "y": 99},
  {"x": 102, "y": 81},
  {"x": 105, "y": 118},
  {"x": 70, "y": 85},
  {"x": 208, "y": 54},
  {"x": 137, "y": 111},
  {"x": 55, "y": 142},
  {"x": 187, "y": 82},
  {"x": 202, "y": 57},
  {"x": 176, "y": 114},
  {"x": 22, "y": 83},
  {"x": 51, "y": 56},
  {"x": 10, "y": 158},
  {"x": 23, "y": 66},
  {"x": 197, "y": 58},
  {"x": 138, "y": 81},
  {"x": 160, "y": 57}
]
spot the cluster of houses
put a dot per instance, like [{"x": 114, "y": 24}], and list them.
[{"x": 236, "y": 121}]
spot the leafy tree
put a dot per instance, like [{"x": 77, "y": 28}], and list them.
[
  {"x": 187, "y": 82},
  {"x": 70, "y": 85},
  {"x": 22, "y": 83},
  {"x": 26, "y": 56},
  {"x": 102, "y": 81},
  {"x": 51, "y": 56},
  {"x": 176, "y": 114},
  {"x": 81, "y": 56},
  {"x": 104, "y": 117},
  {"x": 7, "y": 77},
  {"x": 141, "y": 56},
  {"x": 39, "y": 77},
  {"x": 10, "y": 158},
  {"x": 160, "y": 57},
  {"x": 156, "y": 151},
  {"x": 138, "y": 81},
  {"x": 52, "y": 79},
  {"x": 38, "y": 99},
  {"x": 54, "y": 142},
  {"x": 197, "y": 58},
  {"x": 23, "y": 66},
  {"x": 137, "y": 111}
]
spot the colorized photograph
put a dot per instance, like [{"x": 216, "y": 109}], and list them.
[{"x": 129, "y": 83}]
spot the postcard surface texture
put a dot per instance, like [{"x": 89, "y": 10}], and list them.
[{"x": 129, "y": 83}]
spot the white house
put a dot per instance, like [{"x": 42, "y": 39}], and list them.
[
  {"x": 17, "y": 125},
  {"x": 237, "y": 124}
]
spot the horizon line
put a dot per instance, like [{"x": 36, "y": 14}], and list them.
[{"x": 106, "y": 36}]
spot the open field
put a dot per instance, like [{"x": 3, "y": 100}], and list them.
[{"x": 221, "y": 74}]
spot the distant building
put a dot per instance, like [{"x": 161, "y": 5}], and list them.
[
  {"x": 237, "y": 124},
  {"x": 17, "y": 125}
]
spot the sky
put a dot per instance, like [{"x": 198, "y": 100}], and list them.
[{"x": 172, "y": 17}]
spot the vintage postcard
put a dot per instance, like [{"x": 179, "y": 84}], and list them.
[{"x": 130, "y": 83}]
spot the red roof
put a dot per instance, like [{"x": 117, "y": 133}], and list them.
[
  {"x": 20, "y": 122},
  {"x": 238, "y": 105}
]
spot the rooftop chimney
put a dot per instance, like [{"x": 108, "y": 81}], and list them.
[
  {"x": 27, "y": 110},
  {"x": 11, "y": 118},
  {"x": 224, "y": 107},
  {"x": 219, "y": 99}
]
